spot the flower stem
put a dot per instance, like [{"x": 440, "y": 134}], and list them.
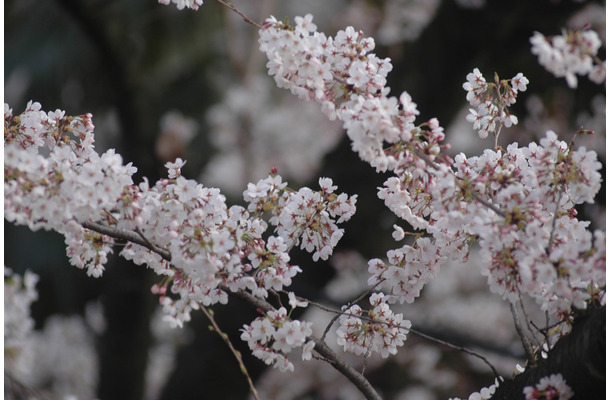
[{"x": 210, "y": 315}]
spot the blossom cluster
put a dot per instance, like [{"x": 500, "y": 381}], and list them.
[
  {"x": 407, "y": 271},
  {"x": 19, "y": 293},
  {"x": 380, "y": 330},
  {"x": 538, "y": 247},
  {"x": 572, "y": 53},
  {"x": 273, "y": 336},
  {"x": 54, "y": 179},
  {"x": 348, "y": 81},
  {"x": 518, "y": 202},
  {"x": 492, "y": 101},
  {"x": 306, "y": 218},
  {"x": 552, "y": 387}
]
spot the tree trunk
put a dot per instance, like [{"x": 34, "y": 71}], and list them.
[{"x": 579, "y": 357}]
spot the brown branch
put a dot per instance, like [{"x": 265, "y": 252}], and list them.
[
  {"x": 527, "y": 345},
  {"x": 347, "y": 370},
  {"x": 415, "y": 331},
  {"x": 580, "y": 357},
  {"x": 130, "y": 236},
  {"x": 244, "y": 16},
  {"x": 321, "y": 348},
  {"x": 236, "y": 353}
]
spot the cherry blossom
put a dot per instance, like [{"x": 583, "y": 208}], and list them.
[
  {"x": 572, "y": 53},
  {"x": 518, "y": 204},
  {"x": 519, "y": 196},
  {"x": 492, "y": 101},
  {"x": 304, "y": 218},
  {"x": 213, "y": 247},
  {"x": 549, "y": 387},
  {"x": 273, "y": 336},
  {"x": 484, "y": 394},
  {"x": 381, "y": 332}
]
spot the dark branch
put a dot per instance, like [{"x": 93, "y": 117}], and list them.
[
  {"x": 321, "y": 348},
  {"x": 579, "y": 357},
  {"x": 133, "y": 237},
  {"x": 348, "y": 371}
]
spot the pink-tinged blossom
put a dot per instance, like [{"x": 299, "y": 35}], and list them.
[
  {"x": 517, "y": 185},
  {"x": 213, "y": 248},
  {"x": 174, "y": 168},
  {"x": 182, "y": 4},
  {"x": 379, "y": 330},
  {"x": 485, "y": 393},
  {"x": 273, "y": 336},
  {"x": 304, "y": 218},
  {"x": 552, "y": 387},
  {"x": 398, "y": 233},
  {"x": 492, "y": 101},
  {"x": 570, "y": 54}
]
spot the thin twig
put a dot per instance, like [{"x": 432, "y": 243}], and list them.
[
  {"x": 244, "y": 16},
  {"x": 546, "y": 330},
  {"x": 236, "y": 353},
  {"x": 322, "y": 349},
  {"x": 459, "y": 348},
  {"x": 478, "y": 198},
  {"x": 415, "y": 331},
  {"x": 356, "y": 300},
  {"x": 529, "y": 328},
  {"x": 527, "y": 346}
]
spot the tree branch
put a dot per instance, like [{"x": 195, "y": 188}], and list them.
[
  {"x": 210, "y": 314},
  {"x": 580, "y": 357},
  {"x": 134, "y": 237},
  {"x": 347, "y": 370},
  {"x": 244, "y": 16},
  {"x": 416, "y": 332},
  {"x": 321, "y": 348}
]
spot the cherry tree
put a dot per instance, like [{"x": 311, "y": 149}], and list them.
[{"x": 511, "y": 210}]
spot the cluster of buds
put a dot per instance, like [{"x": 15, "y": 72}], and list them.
[{"x": 492, "y": 101}]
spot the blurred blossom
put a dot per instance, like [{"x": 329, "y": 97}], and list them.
[
  {"x": 19, "y": 293},
  {"x": 404, "y": 20},
  {"x": 572, "y": 53},
  {"x": 593, "y": 15},
  {"x": 351, "y": 275},
  {"x": 471, "y": 3},
  {"x": 176, "y": 131},
  {"x": 162, "y": 354},
  {"x": 255, "y": 129}
]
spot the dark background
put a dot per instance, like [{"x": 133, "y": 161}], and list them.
[{"x": 135, "y": 60}]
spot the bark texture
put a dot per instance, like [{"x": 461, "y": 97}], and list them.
[{"x": 579, "y": 357}]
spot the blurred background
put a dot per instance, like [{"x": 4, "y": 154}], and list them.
[{"x": 163, "y": 83}]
